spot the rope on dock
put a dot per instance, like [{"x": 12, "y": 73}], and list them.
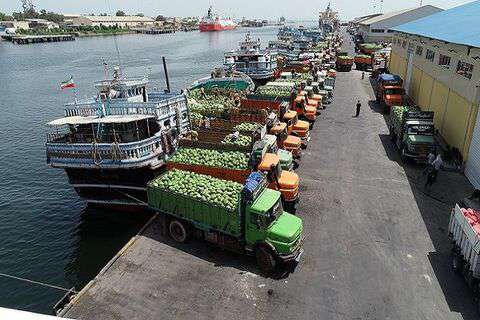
[{"x": 37, "y": 282}]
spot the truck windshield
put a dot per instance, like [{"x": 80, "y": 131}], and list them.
[
  {"x": 394, "y": 91},
  {"x": 274, "y": 213},
  {"x": 418, "y": 129}
]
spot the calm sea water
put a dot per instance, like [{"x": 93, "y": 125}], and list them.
[{"x": 46, "y": 232}]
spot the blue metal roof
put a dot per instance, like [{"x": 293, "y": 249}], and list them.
[{"x": 459, "y": 25}]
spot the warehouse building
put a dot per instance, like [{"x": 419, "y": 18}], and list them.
[
  {"x": 111, "y": 21},
  {"x": 379, "y": 28},
  {"x": 439, "y": 58}
]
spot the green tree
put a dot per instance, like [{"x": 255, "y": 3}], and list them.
[
  {"x": 5, "y": 17},
  {"x": 120, "y": 13},
  {"x": 140, "y": 15},
  {"x": 160, "y": 18}
]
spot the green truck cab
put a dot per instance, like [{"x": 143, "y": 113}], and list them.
[
  {"x": 412, "y": 131},
  {"x": 255, "y": 223},
  {"x": 269, "y": 145}
]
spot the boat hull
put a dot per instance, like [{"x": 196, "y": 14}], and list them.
[
  {"x": 212, "y": 27},
  {"x": 119, "y": 189}
]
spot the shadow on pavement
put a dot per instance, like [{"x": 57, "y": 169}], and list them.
[
  {"x": 211, "y": 253},
  {"x": 435, "y": 205}
]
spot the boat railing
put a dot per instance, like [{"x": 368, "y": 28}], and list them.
[
  {"x": 256, "y": 67},
  {"x": 158, "y": 108},
  {"x": 104, "y": 154}
]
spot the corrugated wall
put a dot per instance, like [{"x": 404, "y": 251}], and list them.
[{"x": 454, "y": 117}]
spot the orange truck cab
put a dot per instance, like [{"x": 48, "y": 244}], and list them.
[
  {"x": 390, "y": 91},
  {"x": 284, "y": 181},
  {"x": 297, "y": 127},
  {"x": 315, "y": 97},
  {"x": 304, "y": 109},
  {"x": 286, "y": 141}
]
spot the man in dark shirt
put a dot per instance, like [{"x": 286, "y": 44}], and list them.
[{"x": 359, "y": 105}]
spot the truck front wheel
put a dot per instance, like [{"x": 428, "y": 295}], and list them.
[
  {"x": 265, "y": 259},
  {"x": 178, "y": 232}
]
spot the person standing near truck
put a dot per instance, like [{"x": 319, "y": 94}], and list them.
[
  {"x": 433, "y": 174},
  {"x": 359, "y": 105}
]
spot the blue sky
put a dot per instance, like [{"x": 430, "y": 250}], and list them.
[{"x": 292, "y": 9}]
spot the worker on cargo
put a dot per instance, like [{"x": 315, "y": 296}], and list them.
[
  {"x": 359, "y": 105},
  {"x": 363, "y": 75}
]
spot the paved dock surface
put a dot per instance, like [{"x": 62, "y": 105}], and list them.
[{"x": 376, "y": 244}]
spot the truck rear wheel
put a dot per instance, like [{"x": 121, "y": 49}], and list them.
[
  {"x": 265, "y": 259},
  {"x": 178, "y": 232}
]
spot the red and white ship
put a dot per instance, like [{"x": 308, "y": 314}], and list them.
[{"x": 212, "y": 22}]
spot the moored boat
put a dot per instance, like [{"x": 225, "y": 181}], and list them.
[
  {"x": 259, "y": 64},
  {"x": 225, "y": 79},
  {"x": 111, "y": 145}
]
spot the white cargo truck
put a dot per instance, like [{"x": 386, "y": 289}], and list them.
[{"x": 464, "y": 231}]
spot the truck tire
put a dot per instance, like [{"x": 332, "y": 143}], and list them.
[
  {"x": 265, "y": 259},
  {"x": 178, "y": 231}
]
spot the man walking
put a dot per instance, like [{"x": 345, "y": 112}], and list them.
[
  {"x": 359, "y": 105},
  {"x": 435, "y": 168}
]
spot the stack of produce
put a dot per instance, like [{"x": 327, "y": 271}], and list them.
[
  {"x": 344, "y": 58},
  {"x": 196, "y": 118},
  {"x": 397, "y": 113},
  {"x": 247, "y": 126},
  {"x": 363, "y": 56},
  {"x": 370, "y": 47},
  {"x": 200, "y": 187},
  {"x": 212, "y": 158},
  {"x": 273, "y": 91},
  {"x": 240, "y": 140},
  {"x": 207, "y": 109}
]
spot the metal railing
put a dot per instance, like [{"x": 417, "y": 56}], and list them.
[
  {"x": 98, "y": 154},
  {"x": 127, "y": 108}
]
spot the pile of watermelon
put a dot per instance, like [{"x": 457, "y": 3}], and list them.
[
  {"x": 212, "y": 158},
  {"x": 274, "y": 91},
  {"x": 200, "y": 187},
  {"x": 241, "y": 140},
  {"x": 397, "y": 113},
  {"x": 247, "y": 126}
]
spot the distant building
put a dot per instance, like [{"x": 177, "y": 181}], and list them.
[
  {"x": 15, "y": 25},
  {"x": 110, "y": 21},
  {"x": 41, "y": 24},
  {"x": 379, "y": 28},
  {"x": 68, "y": 18},
  {"x": 439, "y": 59}
]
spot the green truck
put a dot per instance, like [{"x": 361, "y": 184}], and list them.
[
  {"x": 412, "y": 131},
  {"x": 246, "y": 218}
]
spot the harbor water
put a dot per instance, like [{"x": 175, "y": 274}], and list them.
[{"x": 47, "y": 233}]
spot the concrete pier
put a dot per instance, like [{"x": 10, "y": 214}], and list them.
[{"x": 39, "y": 39}]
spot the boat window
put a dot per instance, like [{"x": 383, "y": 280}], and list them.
[
  {"x": 166, "y": 123},
  {"x": 184, "y": 115}
]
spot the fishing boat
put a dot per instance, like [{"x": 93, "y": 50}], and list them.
[
  {"x": 213, "y": 22},
  {"x": 225, "y": 79},
  {"x": 112, "y": 144},
  {"x": 259, "y": 64}
]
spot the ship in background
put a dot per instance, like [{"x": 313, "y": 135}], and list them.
[
  {"x": 212, "y": 22},
  {"x": 328, "y": 20}
]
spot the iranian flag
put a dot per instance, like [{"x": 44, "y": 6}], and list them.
[{"x": 67, "y": 84}]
